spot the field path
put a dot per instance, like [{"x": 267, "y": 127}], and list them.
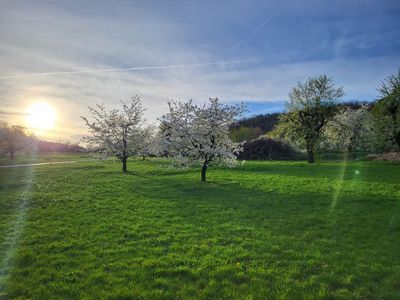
[{"x": 45, "y": 163}]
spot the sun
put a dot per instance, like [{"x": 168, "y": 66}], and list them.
[{"x": 41, "y": 116}]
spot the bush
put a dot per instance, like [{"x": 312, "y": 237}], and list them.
[{"x": 268, "y": 149}]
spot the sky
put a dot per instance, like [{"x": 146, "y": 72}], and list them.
[{"x": 74, "y": 54}]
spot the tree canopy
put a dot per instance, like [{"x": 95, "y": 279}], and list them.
[
  {"x": 117, "y": 132},
  {"x": 311, "y": 105},
  {"x": 200, "y": 134},
  {"x": 15, "y": 138},
  {"x": 387, "y": 108}
]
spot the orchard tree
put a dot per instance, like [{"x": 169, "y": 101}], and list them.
[
  {"x": 311, "y": 105},
  {"x": 150, "y": 142},
  {"x": 200, "y": 134},
  {"x": 350, "y": 130},
  {"x": 15, "y": 138},
  {"x": 387, "y": 109},
  {"x": 117, "y": 132}
]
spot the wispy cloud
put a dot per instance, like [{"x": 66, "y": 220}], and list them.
[
  {"x": 12, "y": 113},
  {"x": 73, "y": 54}
]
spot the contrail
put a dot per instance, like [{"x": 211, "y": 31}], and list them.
[
  {"x": 263, "y": 23},
  {"x": 130, "y": 69},
  {"x": 254, "y": 31}
]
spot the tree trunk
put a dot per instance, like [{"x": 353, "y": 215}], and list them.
[
  {"x": 396, "y": 133},
  {"x": 124, "y": 167},
  {"x": 310, "y": 156},
  {"x": 397, "y": 142},
  {"x": 12, "y": 157},
  {"x": 203, "y": 172}
]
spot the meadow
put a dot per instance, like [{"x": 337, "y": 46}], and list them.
[{"x": 261, "y": 230}]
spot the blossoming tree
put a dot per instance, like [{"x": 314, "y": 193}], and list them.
[
  {"x": 350, "y": 130},
  {"x": 117, "y": 132},
  {"x": 195, "y": 134}
]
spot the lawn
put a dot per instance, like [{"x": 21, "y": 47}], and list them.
[{"x": 262, "y": 230}]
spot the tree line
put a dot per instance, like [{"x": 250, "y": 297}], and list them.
[
  {"x": 316, "y": 120},
  {"x": 201, "y": 135},
  {"x": 209, "y": 134},
  {"x": 15, "y": 139}
]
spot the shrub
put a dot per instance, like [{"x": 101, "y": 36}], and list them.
[{"x": 268, "y": 149}]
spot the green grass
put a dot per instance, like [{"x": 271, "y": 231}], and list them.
[
  {"x": 48, "y": 157},
  {"x": 263, "y": 230}
]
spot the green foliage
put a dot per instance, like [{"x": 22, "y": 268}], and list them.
[
  {"x": 264, "y": 230},
  {"x": 387, "y": 109},
  {"x": 250, "y": 128},
  {"x": 312, "y": 104},
  {"x": 242, "y": 134}
]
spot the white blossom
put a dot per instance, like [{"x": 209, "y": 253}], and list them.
[
  {"x": 195, "y": 134},
  {"x": 349, "y": 130},
  {"x": 117, "y": 133},
  {"x": 150, "y": 142}
]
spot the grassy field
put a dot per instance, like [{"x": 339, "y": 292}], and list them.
[{"x": 263, "y": 230}]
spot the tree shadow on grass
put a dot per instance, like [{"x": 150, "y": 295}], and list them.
[
  {"x": 234, "y": 216},
  {"x": 162, "y": 172},
  {"x": 351, "y": 170},
  {"x": 91, "y": 167},
  {"x": 188, "y": 193}
]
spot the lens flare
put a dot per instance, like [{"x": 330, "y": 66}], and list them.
[
  {"x": 16, "y": 228},
  {"x": 339, "y": 184}
]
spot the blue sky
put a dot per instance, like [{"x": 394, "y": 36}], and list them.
[{"x": 252, "y": 51}]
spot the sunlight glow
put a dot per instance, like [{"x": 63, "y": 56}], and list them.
[{"x": 41, "y": 116}]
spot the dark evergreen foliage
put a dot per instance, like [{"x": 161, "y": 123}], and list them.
[{"x": 268, "y": 149}]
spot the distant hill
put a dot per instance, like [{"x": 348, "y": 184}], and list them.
[
  {"x": 265, "y": 122},
  {"x": 355, "y": 104},
  {"x": 250, "y": 128}
]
